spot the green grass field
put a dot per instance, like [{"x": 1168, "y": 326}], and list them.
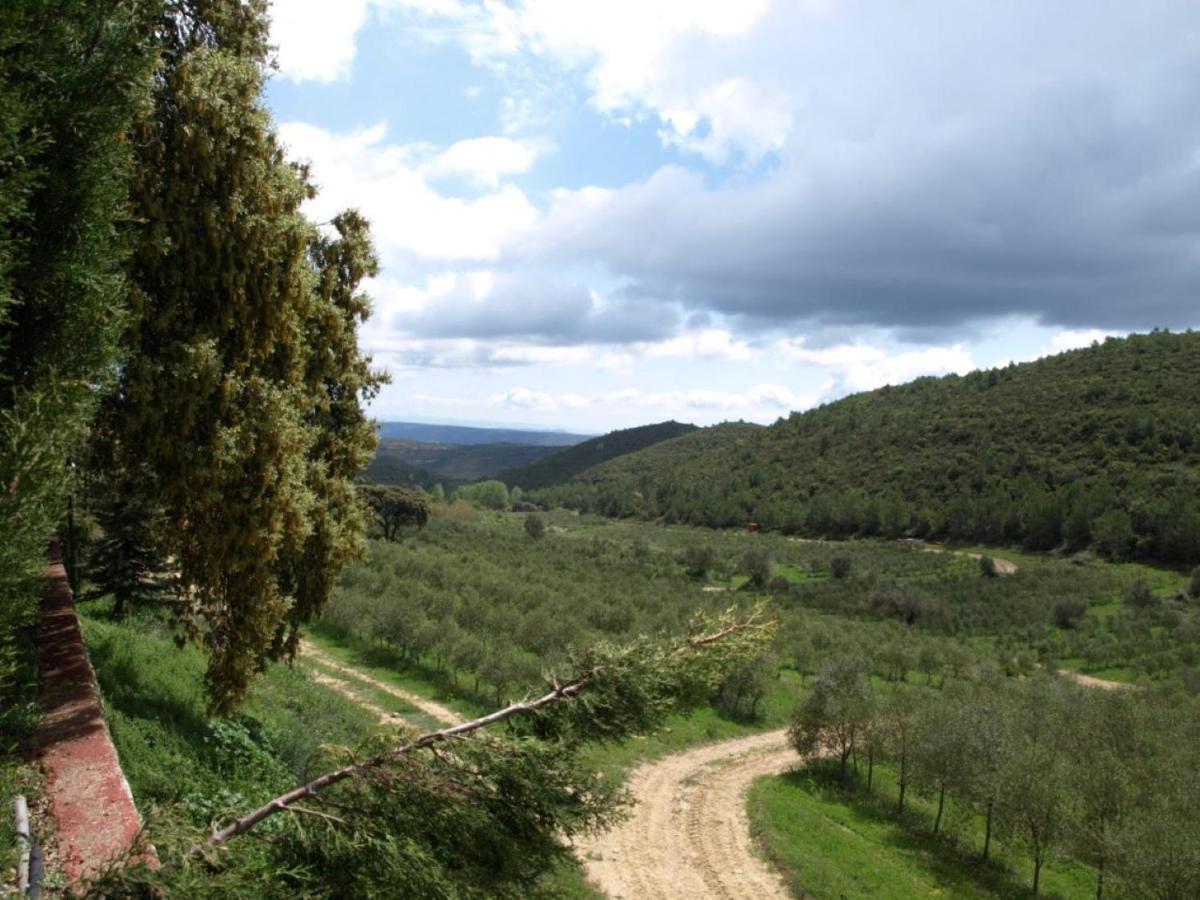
[{"x": 831, "y": 843}]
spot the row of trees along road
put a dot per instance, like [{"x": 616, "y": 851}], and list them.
[
  {"x": 1106, "y": 777},
  {"x": 170, "y": 319}
]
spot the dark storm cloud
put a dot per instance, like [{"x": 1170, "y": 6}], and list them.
[
  {"x": 542, "y": 308},
  {"x": 949, "y": 163}
]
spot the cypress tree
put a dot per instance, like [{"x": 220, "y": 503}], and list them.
[{"x": 240, "y": 395}]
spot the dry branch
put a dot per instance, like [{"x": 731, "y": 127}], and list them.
[{"x": 287, "y": 801}]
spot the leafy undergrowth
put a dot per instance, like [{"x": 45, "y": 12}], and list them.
[
  {"x": 834, "y": 843},
  {"x": 19, "y": 714}
]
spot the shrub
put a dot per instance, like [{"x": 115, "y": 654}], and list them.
[
  {"x": 755, "y": 564},
  {"x": 839, "y": 566},
  {"x": 535, "y": 526},
  {"x": 1068, "y": 613},
  {"x": 1139, "y": 596},
  {"x": 987, "y": 567},
  {"x": 698, "y": 559}
]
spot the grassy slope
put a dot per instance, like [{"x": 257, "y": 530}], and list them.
[
  {"x": 567, "y": 463},
  {"x": 832, "y": 844}
]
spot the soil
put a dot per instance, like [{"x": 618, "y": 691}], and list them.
[
  {"x": 1089, "y": 681},
  {"x": 430, "y": 707},
  {"x": 689, "y": 834}
]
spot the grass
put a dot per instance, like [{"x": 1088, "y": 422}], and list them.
[{"x": 834, "y": 843}]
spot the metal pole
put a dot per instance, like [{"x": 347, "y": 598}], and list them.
[{"x": 21, "y": 813}]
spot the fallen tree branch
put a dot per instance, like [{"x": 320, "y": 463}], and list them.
[{"x": 287, "y": 801}]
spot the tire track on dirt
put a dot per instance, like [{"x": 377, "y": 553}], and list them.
[
  {"x": 429, "y": 707},
  {"x": 689, "y": 834}
]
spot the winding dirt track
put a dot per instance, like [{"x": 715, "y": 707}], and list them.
[{"x": 689, "y": 834}]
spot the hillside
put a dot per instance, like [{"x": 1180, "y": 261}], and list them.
[
  {"x": 464, "y": 435},
  {"x": 423, "y": 464},
  {"x": 1098, "y": 447},
  {"x": 564, "y": 465}
]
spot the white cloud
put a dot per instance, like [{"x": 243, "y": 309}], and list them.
[
  {"x": 1073, "y": 339},
  {"x": 864, "y": 367},
  {"x": 389, "y": 184},
  {"x": 315, "y": 38},
  {"x": 708, "y": 344},
  {"x": 524, "y": 398},
  {"x": 484, "y": 160},
  {"x": 760, "y": 402}
]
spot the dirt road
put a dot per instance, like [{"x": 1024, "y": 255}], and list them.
[
  {"x": 1003, "y": 566},
  {"x": 1089, "y": 681},
  {"x": 430, "y": 707},
  {"x": 689, "y": 835}
]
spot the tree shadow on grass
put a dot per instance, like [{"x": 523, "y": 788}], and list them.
[{"x": 945, "y": 857}]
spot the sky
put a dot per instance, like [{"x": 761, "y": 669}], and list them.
[{"x": 594, "y": 215}]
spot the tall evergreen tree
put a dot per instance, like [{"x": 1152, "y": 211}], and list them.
[
  {"x": 72, "y": 76},
  {"x": 241, "y": 393}
]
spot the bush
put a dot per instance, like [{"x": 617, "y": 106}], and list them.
[
  {"x": 755, "y": 564},
  {"x": 1068, "y": 613},
  {"x": 698, "y": 559},
  {"x": 1194, "y": 587},
  {"x": 839, "y": 566},
  {"x": 987, "y": 567},
  {"x": 1139, "y": 596},
  {"x": 535, "y": 526}
]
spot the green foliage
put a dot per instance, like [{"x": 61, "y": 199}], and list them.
[
  {"x": 401, "y": 461},
  {"x": 239, "y": 399},
  {"x": 487, "y": 494},
  {"x": 396, "y": 507},
  {"x": 755, "y": 564},
  {"x": 698, "y": 559},
  {"x": 72, "y": 78},
  {"x": 969, "y": 458},
  {"x": 839, "y": 566},
  {"x": 563, "y": 465},
  {"x": 535, "y": 526}
]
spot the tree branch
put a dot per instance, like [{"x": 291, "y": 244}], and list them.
[{"x": 559, "y": 694}]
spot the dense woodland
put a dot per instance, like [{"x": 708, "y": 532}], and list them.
[{"x": 1097, "y": 448}]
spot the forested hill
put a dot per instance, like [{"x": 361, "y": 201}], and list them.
[
  {"x": 1098, "y": 447},
  {"x": 566, "y": 464}
]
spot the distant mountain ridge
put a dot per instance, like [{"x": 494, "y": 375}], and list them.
[
  {"x": 464, "y": 435},
  {"x": 1098, "y": 447},
  {"x": 562, "y": 465}
]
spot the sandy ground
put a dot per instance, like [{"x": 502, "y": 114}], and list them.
[
  {"x": 430, "y": 707},
  {"x": 689, "y": 834},
  {"x": 1089, "y": 681}
]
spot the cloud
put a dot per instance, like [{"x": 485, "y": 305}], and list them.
[
  {"x": 863, "y": 367},
  {"x": 760, "y": 402},
  {"x": 941, "y": 169},
  {"x": 411, "y": 220},
  {"x": 316, "y": 40},
  {"x": 1073, "y": 339},
  {"x": 484, "y": 160},
  {"x": 534, "y": 305}
]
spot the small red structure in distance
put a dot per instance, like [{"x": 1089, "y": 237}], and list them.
[{"x": 753, "y": 527}]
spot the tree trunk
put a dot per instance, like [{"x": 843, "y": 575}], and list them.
[
  {"x": 903, "y": 780},
  {"x": 870, "y": 770},
  {"x": 987, "y": 835},
  {"x": 1100, "y": 880},
  {"x": 1037, "y": 864},
  {"x": 937, "y": 823}
]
